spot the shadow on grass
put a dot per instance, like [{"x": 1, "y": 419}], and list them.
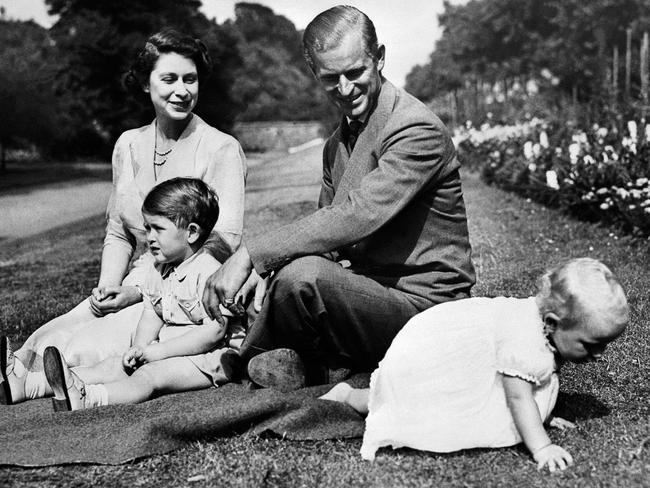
[{"x": 579, "y": 406}]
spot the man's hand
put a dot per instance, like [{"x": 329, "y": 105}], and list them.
[
  {"x": 259, "y": 285},
  {"x": 110, "y": 299},
  {"x": 223, "y": 285}
]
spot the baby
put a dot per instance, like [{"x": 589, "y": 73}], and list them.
[
  {"x": 482, "y": 372},
  {"x": 176, "y": 346}
]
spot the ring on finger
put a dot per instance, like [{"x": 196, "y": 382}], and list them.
[{"x": 229, "y": 301}]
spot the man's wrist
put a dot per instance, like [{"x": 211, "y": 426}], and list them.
[{"x": 245, "y": 258}]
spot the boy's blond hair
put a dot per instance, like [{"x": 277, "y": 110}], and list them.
[{"x": 584, "y": 290}]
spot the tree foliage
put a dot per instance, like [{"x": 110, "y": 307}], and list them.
[
  {"x": 274, "y": 82},
  {"x": 28, "y": 105},
  {"x": 64, "y": 89},
  {"x": 492, "y": 40}
]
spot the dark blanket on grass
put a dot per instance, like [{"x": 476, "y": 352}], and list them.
[{"x": 31, "y": 434}]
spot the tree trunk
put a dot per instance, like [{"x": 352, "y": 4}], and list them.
[
  {"x": 628, "y": 61},
  {"x": 644, "y": 72}
]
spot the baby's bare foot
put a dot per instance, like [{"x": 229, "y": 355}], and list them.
[{"x": 339, "y": 393}]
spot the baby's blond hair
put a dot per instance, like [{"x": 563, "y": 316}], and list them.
[{"x": 584, "y": 291}]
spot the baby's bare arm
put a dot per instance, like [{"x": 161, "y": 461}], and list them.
[{"x": 519, "y": 395}]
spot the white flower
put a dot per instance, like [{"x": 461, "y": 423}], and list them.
[
  {"x": 632, "y": 129},
  {"x": 558, "y": 151},
  {"x": 647, "y": 210},
  {"x": 647, "y": 132},
  {"x": 602, "y": 191},
  {"x": 588, "y": 159},
  {"x": 629, "y": 143},
  {"x": 551, "y": 180},
  {"x": 543, "y": 139},
  {"x": 537, "y": 150},
  {"x": 528, "y": 150},
  {"x": 574, "y": 151},
  {"x": 641, "y": 181},
  {"x": 532, "y": 167},
  {"x": 605, "y": 157},
  {"x": 604, "y": 206},
  {"x": 631, "y": 207},
  {"x": 602, "y": 132}
]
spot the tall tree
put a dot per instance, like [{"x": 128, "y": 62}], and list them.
[
  {"x": 27, "y": 102},
  {"x": 496, "y": 39},
  {"x": 274, "y": 82}
]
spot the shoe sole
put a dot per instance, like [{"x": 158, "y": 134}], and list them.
[
  {"x": 55, "y": 375},
  {"x": 284, "y": 371},
  {"x": 5, "y": 391}
]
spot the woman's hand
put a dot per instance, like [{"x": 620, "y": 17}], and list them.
[
  {"x": 554, "y": 457},
  {"x": 110, "y": 299}
]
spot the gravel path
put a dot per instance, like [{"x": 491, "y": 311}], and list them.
[
  {"x": 47, "y": 207},
  {"x": 273, "y": 179}
]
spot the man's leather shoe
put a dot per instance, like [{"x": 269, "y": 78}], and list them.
[{"x": 281, "y": 369}]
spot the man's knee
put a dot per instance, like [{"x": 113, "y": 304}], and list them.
[{"x": 304, "y": 273}]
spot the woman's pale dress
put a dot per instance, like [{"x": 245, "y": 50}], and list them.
[
  {"x": 440, "y": 386},
  {"x": 201, "y": 152}
]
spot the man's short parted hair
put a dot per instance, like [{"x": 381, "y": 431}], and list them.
[
  {"x": 581, "y": 289},
  {"x": 184, "y": 201},
  {"x": 328, "y": 29},
  {"x": 164, "y": 42}
]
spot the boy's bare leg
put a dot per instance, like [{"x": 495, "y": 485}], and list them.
[
  {"x": 170, "y": 375},
  {"x": 106, "y": 371}
]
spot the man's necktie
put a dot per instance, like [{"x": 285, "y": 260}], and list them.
[{"x": 354, "y": 129}]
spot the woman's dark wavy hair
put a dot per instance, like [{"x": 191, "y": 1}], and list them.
[
  {"x": 184, "y": 201},
  {"x": 163, "y": 42}
]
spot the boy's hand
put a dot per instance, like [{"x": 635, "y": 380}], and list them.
[
  {"x": 554, "y": 457},
  {"x": 132, "y": 359}
]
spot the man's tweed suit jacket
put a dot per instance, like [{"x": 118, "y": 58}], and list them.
[{"x": 393, "y": 207}]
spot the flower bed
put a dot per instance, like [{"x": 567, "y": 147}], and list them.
[{"x": 596, "y": 174}]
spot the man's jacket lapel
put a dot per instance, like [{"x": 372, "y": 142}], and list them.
[{"x": 362, "y": 160}]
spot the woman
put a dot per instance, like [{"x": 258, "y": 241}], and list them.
[{"x": 168, "y": 70}]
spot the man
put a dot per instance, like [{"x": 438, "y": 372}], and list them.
[{"x": 389, "y": 238}]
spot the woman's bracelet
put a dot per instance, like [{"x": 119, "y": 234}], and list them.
[{"x": 541, "y": 448}]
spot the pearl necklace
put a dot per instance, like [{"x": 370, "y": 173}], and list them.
[{"x": 158, "y": 156}]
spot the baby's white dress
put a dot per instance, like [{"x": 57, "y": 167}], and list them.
[{"x": 440, "y": 388}]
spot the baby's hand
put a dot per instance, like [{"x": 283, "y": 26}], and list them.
[
  {"x": 554, "y": 457},
  {"x": 560, "y": 423},
  {"x": 132, "y": 359}
]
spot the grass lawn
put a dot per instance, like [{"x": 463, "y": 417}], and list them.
[{"x": 514, "y": 242}]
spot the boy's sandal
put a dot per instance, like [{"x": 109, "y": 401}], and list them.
[
  {"x": 56, "y": 371},
  {"x": 5, "y": 390}
]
